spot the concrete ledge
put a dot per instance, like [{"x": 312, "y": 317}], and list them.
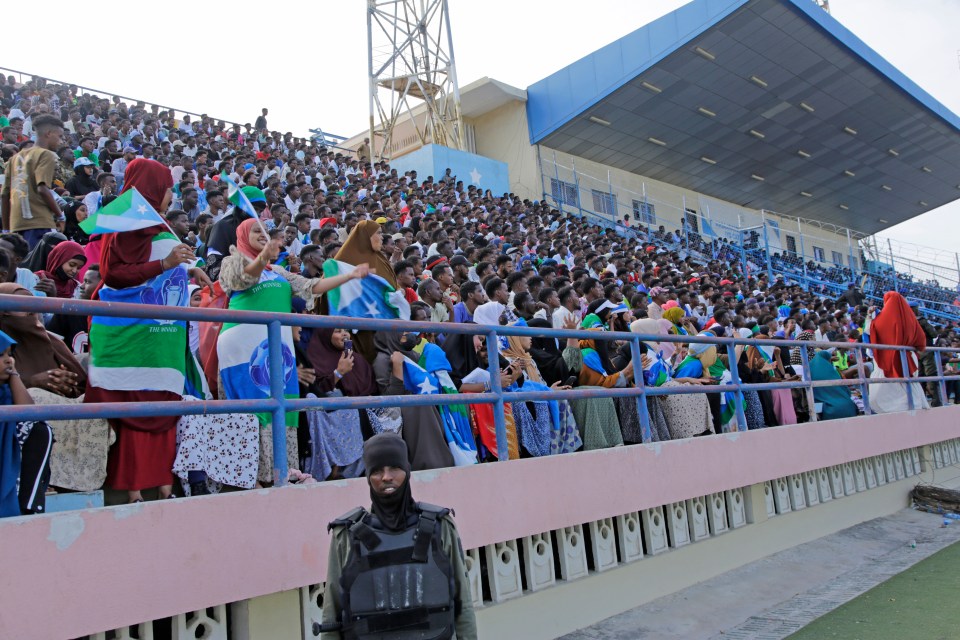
[{"x": 573, "y": 605}]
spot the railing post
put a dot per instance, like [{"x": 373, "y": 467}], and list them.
[
  {"x": 906, "y": 378},
  {"x": 642, "y": 412},
  {"x": 275, "y": 345},
  {"x": 735, "y": 378},
  {"x": 808, "y": 379},
  {"x": 500, "y": 422},
  {"x": 941, "y": 383},
  {"x": 864, "y": 387},
  {"x": 766, "y": 250}
]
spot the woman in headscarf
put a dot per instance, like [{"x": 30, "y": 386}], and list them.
[
  {"x": 36, "y": 260},
  {"x": 82, "y": 181},
  {"x": 223, "y": 234},
  {"x": 52, "y": 375},
  {"x": 545, "y": 428},
  {"x": 753, "y": 368},
  {"x": 337, "y": 436},
  {"x": 420, "y": 427},
  {"x": 703, "y": 365},
  {"x": 896, "y": 324},
  {"x": 130, "y": 363},
  {"x": 597, "y": 417},
  {"x": 75, "y": 213},
  {"x": 468, "y": 356},
  {"x": 836, "y": 401},
  {"x": 363, "y": 247},
  {"x": 674, "y": 416},
  {"x": 253, "y": 283},
  {"x": 63, "y": 265}
]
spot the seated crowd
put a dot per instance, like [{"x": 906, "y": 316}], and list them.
[{"x": 457, "y": 254}]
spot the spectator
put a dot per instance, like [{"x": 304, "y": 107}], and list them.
[
  {"x": 63, "y": 265},
  {"x": 29, "y": 206}
]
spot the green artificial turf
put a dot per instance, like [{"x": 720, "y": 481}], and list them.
[{"x": 918, "y": 604}]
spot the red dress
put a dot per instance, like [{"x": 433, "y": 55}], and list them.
[{"x": 143, "y": 455}]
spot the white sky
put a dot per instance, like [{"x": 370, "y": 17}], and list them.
[{"x": 231, "y": 59}]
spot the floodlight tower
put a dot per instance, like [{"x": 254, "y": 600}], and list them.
[{"x": 412, "y": 73}]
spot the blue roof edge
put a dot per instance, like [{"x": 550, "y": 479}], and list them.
[
  {"x": 848, "y": 39},
  {"x": 542, "y": 95}
]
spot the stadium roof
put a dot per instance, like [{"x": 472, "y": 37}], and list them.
[{"x": 768, "y": 104}]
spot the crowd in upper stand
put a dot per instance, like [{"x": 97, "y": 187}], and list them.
[{"x": 327, "y": 221}]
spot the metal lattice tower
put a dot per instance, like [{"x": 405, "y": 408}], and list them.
[{"x": 411, "y": 65}]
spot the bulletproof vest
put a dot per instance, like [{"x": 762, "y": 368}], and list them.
[{"x": 396, "y": 585}]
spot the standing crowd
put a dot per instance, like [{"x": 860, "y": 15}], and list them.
[{"x": 455, "y": 252}]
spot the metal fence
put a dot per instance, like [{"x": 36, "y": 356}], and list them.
[{"x": 278, "y": 405}]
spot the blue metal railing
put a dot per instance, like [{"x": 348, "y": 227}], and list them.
[{"x": 277, "y": 405}]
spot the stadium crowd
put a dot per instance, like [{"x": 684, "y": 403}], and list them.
[{"x": 331, "y": 224}]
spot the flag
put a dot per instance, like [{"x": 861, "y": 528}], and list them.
[
  {"x": 129, "y": 212},
  {"x": 139, "y": 354},
  {"x": 657, "y": 373},
  {"x": 236, "y": 195},
  {"x": 432, "y": 376},
  {"x": 370, "y": 297}
]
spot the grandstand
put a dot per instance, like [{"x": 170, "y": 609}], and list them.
[{"x": 682, "y": 139}]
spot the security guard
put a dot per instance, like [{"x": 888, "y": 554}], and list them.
[{"x": 396, "y": 572}]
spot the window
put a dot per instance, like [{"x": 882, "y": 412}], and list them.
[
  {"x": 564, "y": 192},
  {"x": 604, "y": 203},
  {"x": 692, "y": 223},
  {"x": 837, "y": 258},
  {"x": 792, "y": 245},
  {"x": 819, "y": 255},
  {"x": 644, "y": 212},
  {"x": 853, "y": 262}
]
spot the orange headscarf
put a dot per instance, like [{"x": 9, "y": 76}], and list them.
[
  {"x": 897, "y": 325},
  {"x": 243, "y": 240}
]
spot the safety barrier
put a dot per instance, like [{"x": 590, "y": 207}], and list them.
[{"x": 278, "y": 405}]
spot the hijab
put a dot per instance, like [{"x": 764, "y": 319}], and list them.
[
  {"x": 243, "y": 240},
  {"x": 661, "y": 327},
  {"x": 324, "y": 358},
  {"x": 673, "y": 314},
  {"x": 547, "y": 355},
  {"x": 38, "y": 350},
  {"x": 489, "y": 313},
  {"x": 461, "y": 354},
  {"x": 36, "y": 260},
  {"x": 389, "y": 450},
  {"x": 386, "y": 343},
  {"x": 59, "y": 256},
  {"x": 516, "y": 354},
  {"x": 896, "y": 324},
  {"x": 357, "y": 250},
  {"x": 150, "y": 178}
]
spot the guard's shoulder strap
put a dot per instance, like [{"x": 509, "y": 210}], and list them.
[
  {"x": 437, "y": 512},
  {"x": 348, "y": 519}
]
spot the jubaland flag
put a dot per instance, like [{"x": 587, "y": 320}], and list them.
[
  {"x": 236, "y": 195},
  {"x": 370, "y": 297},
  {"x": 129, "y": 212}
]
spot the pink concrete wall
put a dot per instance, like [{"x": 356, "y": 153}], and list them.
[{"x": 88, "y": 571}]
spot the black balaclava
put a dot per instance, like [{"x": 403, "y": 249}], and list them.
[{"x": 389, "y": 450}]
